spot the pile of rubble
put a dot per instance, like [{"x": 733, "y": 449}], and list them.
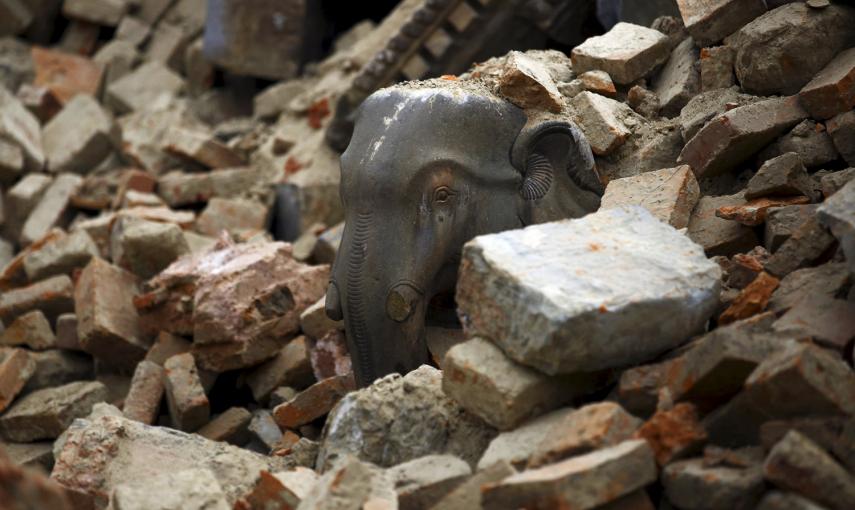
[{"x": 688, "y": 346}]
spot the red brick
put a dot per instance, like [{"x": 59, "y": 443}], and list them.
[
  {"x": 189, "y": 408},
  {"x": 143, "y": 401},
  {"x": 752, "y": 300},
  {"x": 16, "y": 368},
  {"x": 753, "y": 213},
  {"x": 314, "y": 402},
  {"x": 66, "y": 75},
  {"x": 673, "y": 433},
  {"x": 832, "y": 91},
  {"x": 52, "y": 296}
]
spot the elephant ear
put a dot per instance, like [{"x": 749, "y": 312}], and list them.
[{"x": 546, "y": 147}]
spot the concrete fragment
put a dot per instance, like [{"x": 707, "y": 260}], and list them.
[
  {"x": 230, "y": 426},
  {"x": 842, "y": 131},
  {"x": 142, "y": 87},
  {"x": 733, "y": 137},
  {"x": 202, "y": 147},
  {"x": 588, "y": 428},
  {"x": 600, "y": 119},
  {"x": 643, "y": 101},
  {"x": 167, "y": 45},
  {"x": 669, "y": 194},
  {"x": 673, "y": 433},
  {"x": 16, "y": 368},
  {"x": 103, "y": 453},
  {"x": 290, "y": 367},
  {"x": 312, "y": 403},
  {"x": 145, "y": 248},
  {"x": 527, "y": 84},
  {"x": 399, "y": 419},
  {"x": 420, "y": 482},
  {"x": 506, "y": 260},
  {"x": 828, "y": 280},
  {"x": 627, "y": 52},
  {"x": 806, "y": 244},
  {"x": 189, "y": 408},
  {"x": 832, "y": 91},
  {"x": 638, "y": 388},
  {"x": 692, "y": 485},
  {"x": 53, "y": 209},
  {"x": 468, "y": 494},
  {"x": 44, "y": 414},
  {"x": 716, "y": 65},
  {"x": 479, "y": 377},
  {"x": 233, "y": 215},
  {"x": 799, "y": 465},
  {"x": 783, "y": 175},
  {"x": 22, "y": 128},
  {"x": 52, "y": 296},
  {"x": 165, "y": 346},
  {"x": 107, "y": 320},
  {"x": 353, "y": 484},
  {"x": 192, "y": 489},
  {"x": 56, "y": 367},
  {"x": 143, "y": 401},
  {"x": 32, "y": 330},
  {"x": 679, "y": 80},
  {"x": 710, "y": 22},
  {"x": 60, "y": 255},
  {"x": 118, "y": 58},
  {"x": 586, "y": 481},
  {"x": 797, "y": 380},
  {"x": 719, "y": 236}
]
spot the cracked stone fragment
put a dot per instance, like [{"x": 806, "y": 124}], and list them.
[
  {"x": 781, "y": 222},
  {"x": 586, "y": 481},
  {"x": 234, "y": 215},
  {"x": 798, "y": 464},
  {"x": 669, "y": 194},
  {"x": 717, "y": 68},
  {"x": 552, "y": 288},
  {"x": 783, "y": 175},
  {"x": 838, "y": 214},
  {"x": 842, "y": 131},
  {"x": 60, "y": 255},
  {"x": 145, "y": 248},
  {"x": 281, "y": 490},
  {"x": 601, "y": 120},
  {"x": 229, "y": 426},
  {"x": 101, "y": 12},
  {"x": 468, "y": 494},
  {"x": 315, "y": 401},
  {"x": 478, "y": 376},
  {"x": 673, "y": 433},
  {"x": 291, "y": 366},
  {"x": 45, "y": 414},
  {"x": 102, "y": 453},
  {"x": 627, "y": 52},
  {"x": 711, "y": 21},
  {"x": 734, "y": 136},
  {"x": 202, "y": 147}
]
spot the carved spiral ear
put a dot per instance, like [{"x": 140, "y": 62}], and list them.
[
  {"x": 538, "y": 177},
  {"x": 550, "y": 146}
]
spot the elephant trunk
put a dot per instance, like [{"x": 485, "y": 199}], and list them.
[{"x": 383, "y": 312}]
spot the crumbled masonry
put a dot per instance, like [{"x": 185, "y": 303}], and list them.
[{"x": 171, "y": 215}]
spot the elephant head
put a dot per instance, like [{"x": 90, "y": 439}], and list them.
[{"x": 430, "y": 167}]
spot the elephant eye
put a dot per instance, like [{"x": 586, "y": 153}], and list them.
[{"x": 442, "y": 194}]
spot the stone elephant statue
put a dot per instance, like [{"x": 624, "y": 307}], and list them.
[{"x": 430, "y": 166}]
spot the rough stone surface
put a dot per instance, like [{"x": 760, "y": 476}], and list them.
[
  {"x": 799, "y": 465},
  {"x": 188, "y": 405},
  {"x": 190, "y": 489},
  {"x": 53, "y": 209},
  {"x": 810, "y": 140},
  {"x": 706, "y": 105},
  {"x": 601, "y": 120},
  {"x": 200, "y": 146},
  {"x": 52, "y": 296},
  {"x": 233, "y": 215},
  {"x": 103, "y": 453},
  {"x": 731, "y": 138},
  {"x": 21, "y": 127},
  {"x": 692, "y": 485},
  {"x": 479, "y": 377},
  {"x": 468, "y": 494},
  {"x": 808, "y": 242},
  {"x": 842, "y": 131},
  {"x": 142, "y": 87},
  {"x": 679, "y": 80},
  {"x": 314, "y": 321},
  {"x": 60, "y": 256},
  {"x": 544, "y": 297},
  {"x": 716, "y": 235},
  {"x": 782, "y": 50},
  {"x": 290, "y": 367},
  {"x": 352, "y": 483},
  {"x": 827, "y": 280},
  {"x": 229, "y": 426},
  {"x": 586, "y": 481},
  {"x": 65, "y": 74},
  {"x": 79, "y": 137},
  {"x": 16, "y": 368},
  {"x": 783, "y": 175},
  {"x": 527, "y": 84},
  {"x": 627, "y": 52},
  {"x": 420, "y": 482},
  {"x": 143, "y": 401},
  {"x": 399, "y": 419},
  {"x": 832, "y": 91},
  {"x": 838, "y": 214},
  {"x": 673, "y": 433},
  {"x": 56, "y": 367},
  {"x": 107, "y": 322},
  {"x": 711, "y": 21},
  {"x": 32, "y": 330},
  {"x": 717, "y": 68},
  {"x": 45, "y": 414},
  {"x": 145, "y": 248},
  {"x": 669, "y": 194}
]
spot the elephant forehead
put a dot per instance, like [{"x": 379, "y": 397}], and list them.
[{"x": 406, "y": 129}]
